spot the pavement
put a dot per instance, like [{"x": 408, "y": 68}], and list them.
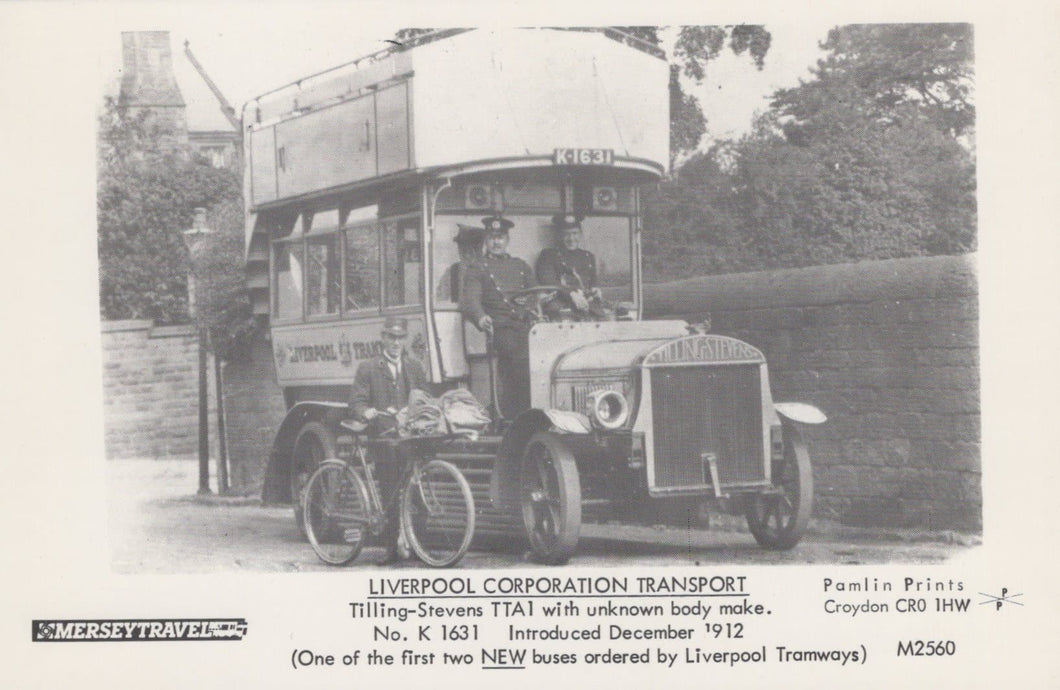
[{"x": 158, "y": 524}]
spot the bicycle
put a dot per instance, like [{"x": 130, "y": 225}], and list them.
[{"x": 437, "y": 510}]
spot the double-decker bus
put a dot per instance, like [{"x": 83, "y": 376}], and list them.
[{"x": 358, "y": 182}]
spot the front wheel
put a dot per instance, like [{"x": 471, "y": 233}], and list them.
[
  {"x": 551, "y": 499},
  {"x": 336, "y": 515},
  {"x": 438, "y": 513},
  {"x": 778, "y": 520}
]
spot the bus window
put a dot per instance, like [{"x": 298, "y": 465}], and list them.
[
  {"x": 288, "y": 280},
  {"x": 608, "y": 238},
  {"x": 362, "y": 268},
  {"x": 323, "y": 278},
  {"x": 402, "y": 261}
]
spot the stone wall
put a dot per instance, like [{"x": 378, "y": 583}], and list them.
[
  {"x": 889, "y": 350},
  {"x": 150, "y": 390}
]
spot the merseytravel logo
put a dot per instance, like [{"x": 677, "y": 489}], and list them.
[{"x": 140, "y": 630}]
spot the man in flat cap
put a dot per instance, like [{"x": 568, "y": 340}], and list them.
[
  {"x": 486, "y": 304},
  {"x": 383, "y": 384}
]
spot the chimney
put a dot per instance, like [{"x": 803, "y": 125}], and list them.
[{"x": 148, "y": 82}]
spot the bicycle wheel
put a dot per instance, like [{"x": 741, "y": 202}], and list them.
[
  {"x": 438, "y": 513},
  {"x": 336, "y": 512}
]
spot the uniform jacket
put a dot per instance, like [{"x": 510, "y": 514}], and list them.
[
  {"x": 555, "y": 263},
  {"x": 486, "y": 281},
  {"x": 374, "y": 385}
]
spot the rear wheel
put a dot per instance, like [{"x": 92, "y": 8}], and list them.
[
  {"x": 335, "y": 513},
  {"x": 551, "y": 499},
  {"x": 313, "y": 445},
  {"x": 438, "y": 514},
  {"x": 779, "y": 520}
]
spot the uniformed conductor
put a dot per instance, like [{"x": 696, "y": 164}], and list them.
[
  {"x": 484, "y": 302},
  {"x": 567, "y": 264},
  {"x": 383, "y": 384}
]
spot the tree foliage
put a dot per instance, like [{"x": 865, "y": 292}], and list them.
[
  {"x": 928, "y": 67},
  {"x": 148, "y": 186},
  {"x": 693, "y": 48},
  {"x": 855, "y": 164}
]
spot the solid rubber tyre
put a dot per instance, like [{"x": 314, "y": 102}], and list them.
[
  {"x": 778, "y": 521},
  {"x": 550, "y": 499}
]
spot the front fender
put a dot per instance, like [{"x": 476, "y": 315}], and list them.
[
  {"x": 800, "y": 412},
  {"x": 504, "y": 481},
  {"x": 277, "y": 488}
]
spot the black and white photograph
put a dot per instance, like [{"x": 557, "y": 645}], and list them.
[{"x": 587, "y": 346}]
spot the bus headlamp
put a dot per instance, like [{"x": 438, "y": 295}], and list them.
[{"x": 608, "y": 409}]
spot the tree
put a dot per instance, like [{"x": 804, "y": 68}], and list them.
[
  {"x": 148, "y": 187},
  {"x": 889, "y": 66},
  {"x": 693, "y": 48},
  {"x": 223, "y": 305},
  {"x": 857, "y": 163}
]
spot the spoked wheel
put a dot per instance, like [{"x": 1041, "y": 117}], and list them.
[
  {"x": 313, "y": 445},
  {"x": 438, "y": 514},
  {"x": 779, "y": 520},
  {"x": 551, "y": 499},
  {"x": 336, "y": 515}
]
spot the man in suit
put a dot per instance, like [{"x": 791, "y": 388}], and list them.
[{"x": 383, "y": 384}]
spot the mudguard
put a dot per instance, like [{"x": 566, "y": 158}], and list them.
[
  {"x": 504, "y": 482},
  {"x": 277, "y": 488},
  {"x": 800, "y": 412}
]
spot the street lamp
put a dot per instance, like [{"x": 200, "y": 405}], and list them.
[{"x": 193, "y": 241}]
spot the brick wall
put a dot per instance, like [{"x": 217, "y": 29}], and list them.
[
  {"x": 889, "y": 350},
  {"x": 150, "y": 390}
]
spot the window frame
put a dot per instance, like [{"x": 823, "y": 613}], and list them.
[
  {"x": 274, "y": 275},
  {"x": 421, "y": 303},
  {"x": 340, "y": 249},
  {"x": 345, "y": 229}
]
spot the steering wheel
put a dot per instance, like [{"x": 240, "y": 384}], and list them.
[
  {"x": 546, "y": 294},
  {"x": 542, "y": 294}
]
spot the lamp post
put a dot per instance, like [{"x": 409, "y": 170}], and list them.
[{"x": 193, "y": 240}]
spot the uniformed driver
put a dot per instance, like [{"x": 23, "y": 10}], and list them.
[
  {"x": 486, "y": 303},
  {"x": 567, "y": 264}
]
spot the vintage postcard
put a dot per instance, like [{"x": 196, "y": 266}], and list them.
[{"x": 587, "y": 345}]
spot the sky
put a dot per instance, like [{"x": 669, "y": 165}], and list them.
[{"x": 232, "y": 50}]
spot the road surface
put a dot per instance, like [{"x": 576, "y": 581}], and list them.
[{"x": 158, "y": 525}]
